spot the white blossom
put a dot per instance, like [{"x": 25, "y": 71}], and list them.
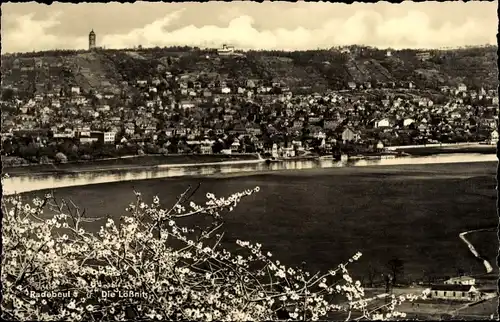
[{"x": 189, "y": 271}]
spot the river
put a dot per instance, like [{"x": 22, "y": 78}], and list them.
[
  {"x": 52, "y": 181},
  {"x": 323, "y": 211}
]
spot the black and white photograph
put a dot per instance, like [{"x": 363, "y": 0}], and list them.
[{"x": 249, "y": 161}]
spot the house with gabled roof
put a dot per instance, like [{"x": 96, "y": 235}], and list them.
[
  {"x": 455, "y": 292},
  {"x": 461, "y": 280},
  {"x": 349, "y": 135},
  {"x": 383, "y": 123}
]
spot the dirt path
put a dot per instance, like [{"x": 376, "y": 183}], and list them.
[{"x": 473, "y": 250}]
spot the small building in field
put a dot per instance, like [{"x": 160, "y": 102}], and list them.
[
  {"x": 461, "y": 280},
  {"x": 455, "y": 292}
]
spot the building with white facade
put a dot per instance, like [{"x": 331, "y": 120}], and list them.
[
  {"x": 225, "y": 50},
  {"x": 109, "y": 137},
  {"x": 461, "y": 280},
  {"x": 382, "y": 123},
  {"x": 455, "y": 292}
]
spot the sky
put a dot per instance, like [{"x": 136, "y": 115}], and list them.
[{"x": 248, "y": 25}]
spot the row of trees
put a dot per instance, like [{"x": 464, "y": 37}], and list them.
[
  {"x": 34, "y": 152},
  {"x": 390, "y": 275},
  {"x": 393, "y": 274}
]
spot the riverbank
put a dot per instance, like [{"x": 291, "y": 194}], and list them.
[
  {"x": 433, "y": 149},
  {"x": 224, "y": 169},
  {"x": 145, "y": 162},
  {"x": 151, "y": 162}
]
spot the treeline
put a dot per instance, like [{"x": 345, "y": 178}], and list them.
[
  {"x": 46, "y": 53},
  {"x": 26, "y": 150}
]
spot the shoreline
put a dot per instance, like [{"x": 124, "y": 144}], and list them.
[
  {"x": 131, "y": 163},
  {"x": 153, "y": 162},
  {"x": 23, "y": 184},
  {"x": 431, "y": 149},
  {"x": 442, "y": 145}
]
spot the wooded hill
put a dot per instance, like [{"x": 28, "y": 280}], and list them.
[{"x": 312, "y": 70}]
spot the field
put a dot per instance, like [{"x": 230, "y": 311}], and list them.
[
  {"x": 426, "y": 310},
  {"x": 324, "y": 216},
  {"x": 433, "y": 309},
  {"x": 480, "y": 311},
  {"x": 141, "y": 162}
]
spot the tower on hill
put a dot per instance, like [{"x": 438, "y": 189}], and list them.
[{"x": 92, "y": 40}]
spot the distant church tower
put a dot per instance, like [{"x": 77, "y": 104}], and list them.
[{"x": 92, "y": 40}]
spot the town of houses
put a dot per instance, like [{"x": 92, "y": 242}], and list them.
[{"x": 207, "y": 113}]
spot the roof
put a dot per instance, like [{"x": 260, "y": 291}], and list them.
[
  {"x": 452, "y": 287},
  {"x": 461, "y": 278},
  {"x": 348, "y": 129}
]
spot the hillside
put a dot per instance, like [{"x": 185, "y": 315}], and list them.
[{"x": 314, "y": 70}]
